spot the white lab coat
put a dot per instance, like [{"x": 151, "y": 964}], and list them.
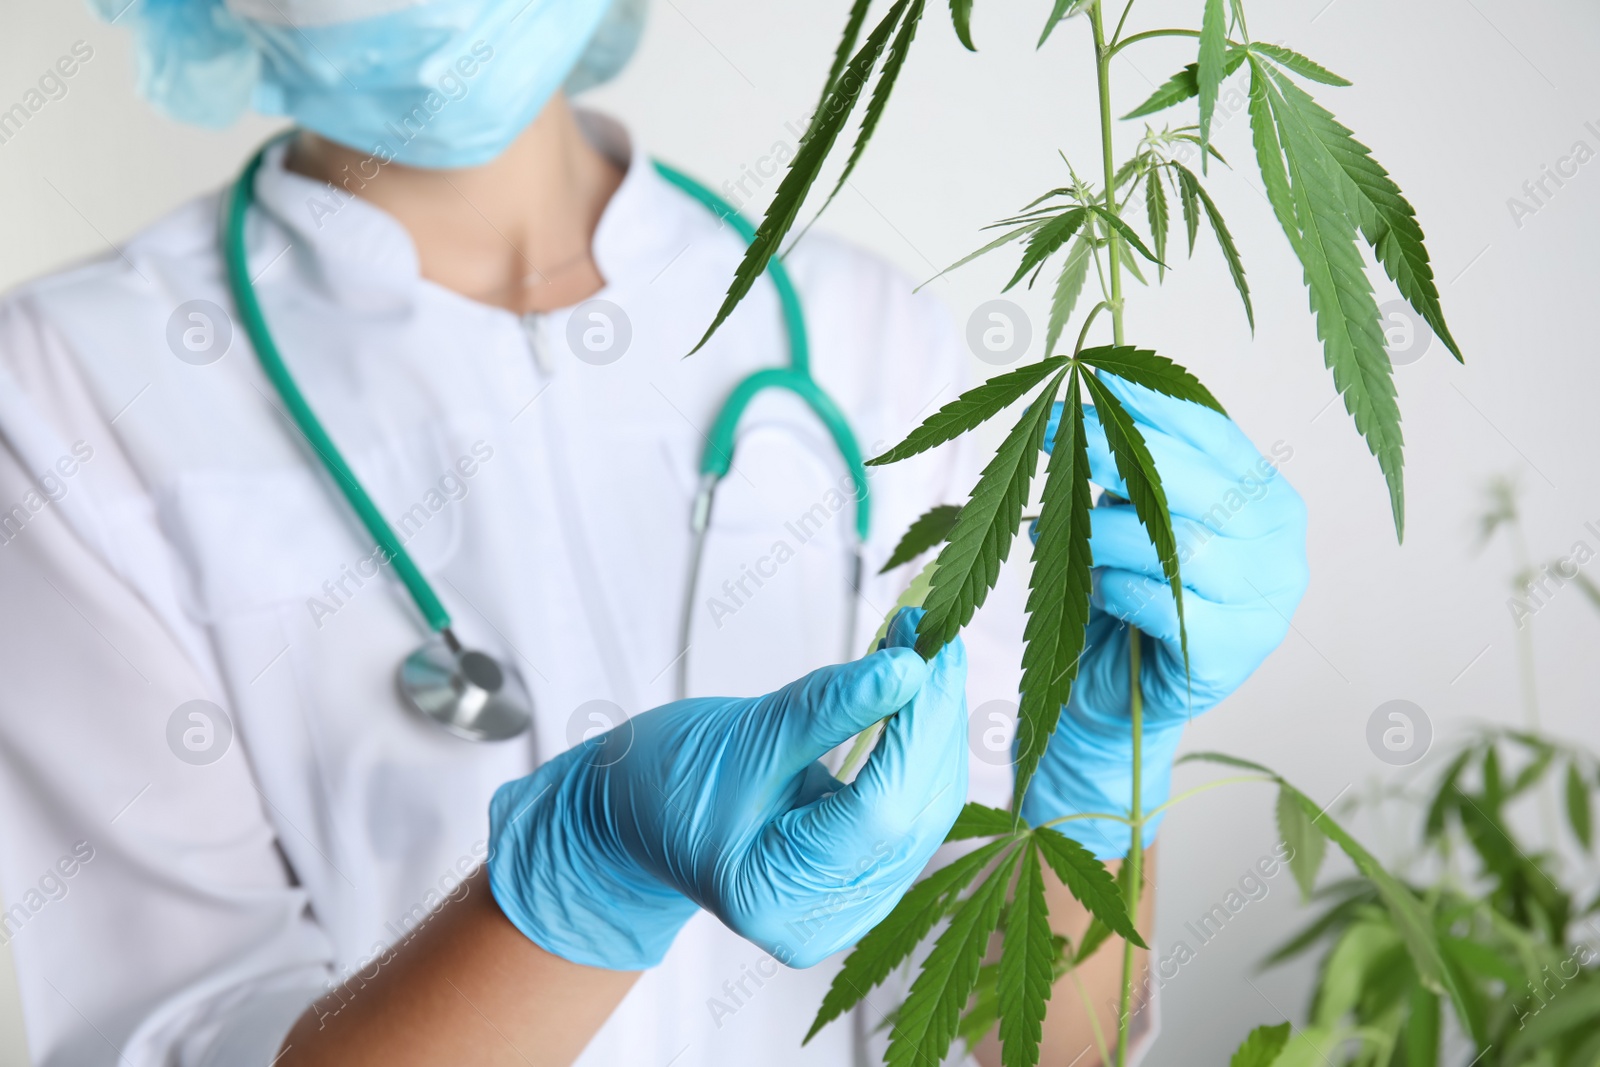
[{"x": 166, "y": 536}]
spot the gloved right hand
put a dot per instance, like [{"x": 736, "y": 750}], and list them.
[
  {"x": 604, "y": 853},
  {"x": 1241, "y": 535}
]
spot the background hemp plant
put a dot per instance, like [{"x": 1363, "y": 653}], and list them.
[{"x": 1330, "y": 196}]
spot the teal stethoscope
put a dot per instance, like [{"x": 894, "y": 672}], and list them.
[{"x": 468, "y": 692}]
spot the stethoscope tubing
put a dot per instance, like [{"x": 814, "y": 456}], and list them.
[{"x": 716, "y": 459}]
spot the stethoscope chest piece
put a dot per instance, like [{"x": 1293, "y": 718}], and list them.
[{"x": 465, "y": 691}]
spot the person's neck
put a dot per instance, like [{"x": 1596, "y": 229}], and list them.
[{"x": 514, "y": 232}]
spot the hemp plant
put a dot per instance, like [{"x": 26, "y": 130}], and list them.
[{"x": 1330, "y": 197}]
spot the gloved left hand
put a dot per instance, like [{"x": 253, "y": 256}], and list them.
[
  {"x": 604, "y": 853},
  {"x": 1241, "y": 532}
]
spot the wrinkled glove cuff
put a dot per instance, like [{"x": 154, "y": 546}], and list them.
[{"x": 564, "y": 883}]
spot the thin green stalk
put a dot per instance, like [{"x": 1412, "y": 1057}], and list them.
[
  {"x": 1084, "y": 815},
  {"x": 1530, "y": 692},
  {"x": 1088, "y": 321},
  {"x": 1114, "y": 247},
  {"x": 1147, "y": 35},
  {"x": 1197, "y": 790},
  {"x": 1094, "y": 1017},
  {"x": 1121, "y": 22},
  {"x": 1135, "y": 860}
]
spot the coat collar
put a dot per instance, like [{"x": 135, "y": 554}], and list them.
[{"x": 362, "y": 256}]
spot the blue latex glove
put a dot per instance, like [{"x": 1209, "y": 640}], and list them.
[
  {"x": 1241, "y": 532},
  {"x": 604, "y": 853}
]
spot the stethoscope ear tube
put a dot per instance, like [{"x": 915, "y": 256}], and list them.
[
  {"x": 466, "y": 692},
  {"x": 305, "y": 420},
  {"x": 717, "y": 457}
]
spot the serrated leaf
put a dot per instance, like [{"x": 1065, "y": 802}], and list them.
[
  {"x": 1341, "y": 297},
  {"x": 1191, "y": 212},
  {"x": 970, "y": 410},
  {"x": 1004, "y": 239},
  {"x": 1087, "y": 879},
  {"x": 886, "y": 945},
  {"x": 1410, "y": 920},
  {"x": 1155, "y": 203},
  {"x": 1125, "y": 231},
  {"x": 1313, "y": 1046},
  {"x": 1261, "y": 1048},
  {"x": 1481, "y": 959},
  {"x": 1098, "y": 932},
  {"x": 1531, "y": 772},
  {"x": 1306, "y": 841},
  {"x": 847, "y": 44},
  {"x": 1027, "y": 964},
  {"x": 826, "y": 123},
  {"x": 1579, "y": 813},
  {"x": 1334, "y": 919},
  {"x": 1058, "y": 592},
  {"x": 980, "y": 820},
  {"x": 1137, "y": 165},
  {"x": 894, "y": 61},
  {"x": 1236, "y": 7},
  {"x": 1130, "y": 262},
  {"x": 1575, "y": 1008},
  {"x": 1209, "y": 71},
  {"x": 1298, "y": 63},
  {"x": 961, "y": 16},
  {"x": 1490, "y": 840},
  {"x": 1046, "y": 240},
  {"x": 1184, "y": 85},
  {"x": 929, "y": 530},
  {"x": 1145, "y": 493},
  {"x": 1069, "y": 286},
  {"x": 1144, "y": 367},
  {"x": 1493, "y": 793},
  {"x": 1444, "y": 798},
  {"x": 984, "y": 1010},
  {"x": 1345, "y": 970},
  {"x": 1059, "y": 12},
  {"x": 1269, "y": 157},
  {"x": 1230, "y": 252},
  {"x": 969, "y": 563},
  {"x": 1387, "y": 220},
  {"x": 927, "y": 1020}
]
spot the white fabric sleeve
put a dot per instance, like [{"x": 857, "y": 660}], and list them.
[{"x": 150, "y": 915}]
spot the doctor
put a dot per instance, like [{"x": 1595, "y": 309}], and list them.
[{"x": 228, "y": 837}]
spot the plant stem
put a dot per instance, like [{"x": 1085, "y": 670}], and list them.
[
  {"x": 1107, "y": 815},
  {"x": 1135, "y": 858},
  {"x": 1083, "y": 334},
  {"x": 1114, "y": 247},
  {"x": 1103, "y": 55},
  {"x": 1147, "y": 35},
  {"x": 1121, "y": 22}
]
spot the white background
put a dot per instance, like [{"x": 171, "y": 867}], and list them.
[{"x": 1463, "y": 100}]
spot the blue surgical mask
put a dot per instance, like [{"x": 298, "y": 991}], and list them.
[
  {"x": 427, "y": 83},
  {"x": 612, "y": 45}
]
